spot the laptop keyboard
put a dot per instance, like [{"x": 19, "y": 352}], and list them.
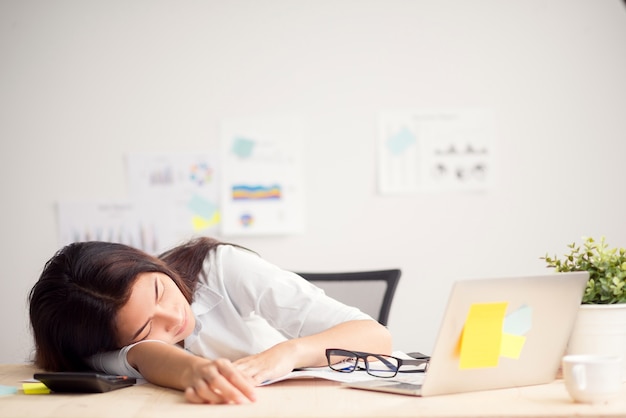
[{"x": 407, "y": 386}]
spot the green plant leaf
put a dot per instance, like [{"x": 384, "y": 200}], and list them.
[{"x": 606, "y": 267}]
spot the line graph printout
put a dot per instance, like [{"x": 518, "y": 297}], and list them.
[
  {"x": 120, "y": 221},
  {"x": 261, "y": 184},
  {"x": 436, "y": 150},
  {"x": 172, "y": 197}
]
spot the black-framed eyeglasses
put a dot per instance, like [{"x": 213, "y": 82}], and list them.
[{"x": 377, "y": 365}]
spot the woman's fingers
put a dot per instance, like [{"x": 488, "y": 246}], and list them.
[
  {"x": 235, "y": 380},
  {"x": 201, "y": 392},
  {"x": 229, "y": 392},
  {"x": 220, "y": 382},
  {"x": 269, "y": 364},
  {"x": 248, "y": 368},
  {"x": 192, "y": 395}
]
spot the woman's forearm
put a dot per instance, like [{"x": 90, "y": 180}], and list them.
[
  {"x": 310, "y": 351},
  {"x": 203, "y": 380},
  {"x": 360, "y": 335},
  {"x": 161, "y": 364}
]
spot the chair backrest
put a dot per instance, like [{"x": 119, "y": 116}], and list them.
[{"x": 370, "y": 291}]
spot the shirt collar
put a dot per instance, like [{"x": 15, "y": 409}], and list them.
[{"x": 205, "y": 299}]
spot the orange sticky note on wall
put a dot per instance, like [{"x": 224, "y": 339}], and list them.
[{"x": 481, "y": 341}]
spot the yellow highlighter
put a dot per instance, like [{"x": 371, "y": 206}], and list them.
[{"x": 36, "y": 388}]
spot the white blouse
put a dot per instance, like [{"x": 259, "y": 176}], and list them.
[{"x": 244, "y": 305}]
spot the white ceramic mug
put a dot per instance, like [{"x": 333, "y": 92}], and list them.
[{"x": 592, "y": 378}]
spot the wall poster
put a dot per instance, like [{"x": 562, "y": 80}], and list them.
[
  {"x": 436, "y": 150},
  {"x": 261, "y": 183},
  {"x": 172, "y": 198}
]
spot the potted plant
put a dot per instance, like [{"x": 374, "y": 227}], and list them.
[
  {"x": 600, "y": 327},
  {"x": 606, "y": 267}
]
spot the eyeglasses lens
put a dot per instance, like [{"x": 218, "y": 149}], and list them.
[
  {"x": 382, "y": 366},
  {"x": 343, "y": 362}
]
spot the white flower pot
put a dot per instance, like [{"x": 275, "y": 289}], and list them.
[{"x": 600, "y": 329}]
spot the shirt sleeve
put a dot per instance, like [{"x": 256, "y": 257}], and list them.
[
  {"x": 288, "y": 302},
  {"x": 116, "y": 362}
]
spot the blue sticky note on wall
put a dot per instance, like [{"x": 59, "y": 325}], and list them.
[
  {"x": 400, "y": 141},
  {"x": 201, "y": 207},
  {"x": 243, "y": 147}
]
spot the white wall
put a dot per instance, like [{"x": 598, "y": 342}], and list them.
[{"x": 84, "y": 82}]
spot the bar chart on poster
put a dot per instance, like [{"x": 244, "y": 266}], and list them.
[{"x": 261, "y": 186}]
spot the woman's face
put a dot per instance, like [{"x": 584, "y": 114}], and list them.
[{"x": 156, "y": 310}]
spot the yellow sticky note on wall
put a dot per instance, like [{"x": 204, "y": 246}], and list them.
[{"x": 481, "y": 341}]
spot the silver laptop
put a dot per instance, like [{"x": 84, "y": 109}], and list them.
[{"x": 497, "y": 333}]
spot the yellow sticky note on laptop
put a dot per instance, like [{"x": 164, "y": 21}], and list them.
[
  {"x": 512, "y": 345},
  {"x": 481, "y": 341}
]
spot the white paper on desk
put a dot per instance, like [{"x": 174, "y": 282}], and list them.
[
  {"x": 356, "y": 376},
  {"x": 324, "y": 373}
]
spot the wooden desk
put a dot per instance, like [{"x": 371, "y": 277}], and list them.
[{"x": 299, "y": 398}]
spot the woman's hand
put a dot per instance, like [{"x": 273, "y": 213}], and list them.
[
  {"x": 202, "y": 380},
  {"x": 310, "y": 351},
  {"x": 218, "y": 382},
  {"x": 269, "y": 364}
]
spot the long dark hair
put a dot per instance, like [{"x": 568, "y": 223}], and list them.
[{"x": 74, "y": 303}]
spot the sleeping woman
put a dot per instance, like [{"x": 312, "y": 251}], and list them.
[{"x": 208, "y": 318}]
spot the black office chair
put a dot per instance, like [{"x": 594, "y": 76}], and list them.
[{"x": 370, "y": 291}]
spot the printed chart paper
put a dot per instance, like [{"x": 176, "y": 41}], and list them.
[
  {"x": 180, "y": 189},
  {"x": 436, "y": 150},
  {"x": 261, "y": 186},
  {"x": 172, "y": 198},
  {"x": 119, "y": 221}
]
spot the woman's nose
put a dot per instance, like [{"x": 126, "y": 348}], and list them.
[{"x": 168, "y": 317}]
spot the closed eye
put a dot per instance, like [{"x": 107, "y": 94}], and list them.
[
  {"x": 159, "y": 291},
  {"x": 148, "y": 323}
]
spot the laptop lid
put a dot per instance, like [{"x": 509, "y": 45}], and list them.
[
  {"x": 497, "y": 333},
  {"x": 504, "y": 332}
]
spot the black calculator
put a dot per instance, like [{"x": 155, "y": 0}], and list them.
[{"x": 83, "y": 382}]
